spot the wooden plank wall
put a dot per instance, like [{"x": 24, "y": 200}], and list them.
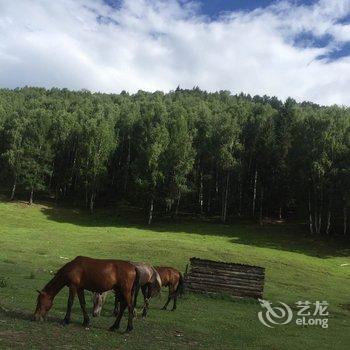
[{"x": 207, "y": 276}]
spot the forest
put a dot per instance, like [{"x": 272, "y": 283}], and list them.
[{"x": 186, "y": 151}]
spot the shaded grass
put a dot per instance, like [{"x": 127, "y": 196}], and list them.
[{"x": 37, "y": 240}]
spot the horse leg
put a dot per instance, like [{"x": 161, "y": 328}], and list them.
[
  {"x": 171, "y": 291},
  {"x": 128, "y": 299},
  {"x": 116, "y": 305},
  {"x": 175, "y": 297},
  {"x": 136, "y": 293},
  {"x": 122, "y": 307},
  {"x": 82, "y": 302},
  {"x": 72, "y": 292},
  {"x": 175, "y": 300},
  {"x": 146, "y": 291}
]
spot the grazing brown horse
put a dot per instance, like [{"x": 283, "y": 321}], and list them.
[
  {"x": 96, "y": 275},
  {"x": 173, "y": 279},
  {"x": 149, "y": 282}
]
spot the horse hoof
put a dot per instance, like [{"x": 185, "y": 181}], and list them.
[
  {"x": 65, "y": 322},
  {"x": 128, "y": 330},
  {"x": 112, "y": 329},
  {"x": 86, "y": 325}
]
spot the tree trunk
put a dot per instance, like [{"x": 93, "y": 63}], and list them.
[
  {"x": 92, "y": 199},
  {"x": 217, "y": 184},
  {"x": 280, "y": 213},
  {"x": 319, "y": 221},
  {"x": 254, "y": 191},
  {"x": 240, "y": 197},
  {"x": 310, "y": 216},
  {"x": 51, "y": 176},
  {"x": 320, "y": 212},
  {"x": 56, "y": 195},
  {"x": 126, "y": 176},
  {"x": 261, "y": 205},
  {"x": 210, "y": 190},
  {"x": 72, "y": 175},
  {"x": 14, "y": 188},
  {"x": 86, "y": 196},
  {"x": 168, "y": 205},
  {"x": 316, "y": 212},
  {"x": 177, "y": 203},
  {"x": 224, "y": 207},
  {"x": 315, "y": 221},
  {"x": 200, "y": 196},
  {"x": 345, "y": 220},
  {"x": 209, "y": 199},
  {"x": 328, "y": 221},
  {"x": 150, "y": 215},
  {"x": 31, "y": 196}
]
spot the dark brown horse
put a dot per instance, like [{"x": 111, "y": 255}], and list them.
[
  {"x": 173, "y": 279},
  {"x": 95, "y": 275},
  {"x": 149, "y": 282}
]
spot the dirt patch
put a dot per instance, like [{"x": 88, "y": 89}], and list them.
[
  {"x": 14, "y": 337},
  {"x": 345, "y": 307},
  {"x": 22, "y": 205}
]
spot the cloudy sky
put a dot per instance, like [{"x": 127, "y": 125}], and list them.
[{"x": 282, "y": 48}]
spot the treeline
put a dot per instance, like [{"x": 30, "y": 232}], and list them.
[{"x": 188, "y": 150}]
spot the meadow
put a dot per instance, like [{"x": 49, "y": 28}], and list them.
[{"x": 36, "y": 240}]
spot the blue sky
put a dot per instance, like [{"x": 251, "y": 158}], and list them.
[
  {"x": 279, "y": 48},
  {"x": 214, "y": 7}
]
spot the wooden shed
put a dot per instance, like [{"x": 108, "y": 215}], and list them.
[{"x": 207, "y": 276}]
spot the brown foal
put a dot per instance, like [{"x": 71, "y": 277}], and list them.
[
  {"x": 173, "y": 279},
  {"x": 96, "y": 275}
]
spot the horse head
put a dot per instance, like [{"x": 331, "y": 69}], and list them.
[
  {"x": 98, "y": 300},
  {"x": 157, "y": 283},
  {"x": 44, "y": 304}
]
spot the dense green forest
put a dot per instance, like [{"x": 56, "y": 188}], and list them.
[{"x": 187, "y": 150}]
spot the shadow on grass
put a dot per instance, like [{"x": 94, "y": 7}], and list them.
[
  {"x": 54, "y": 320},
  {"x": 288, "y": 237},
  {"x": 25, "y": 315}
]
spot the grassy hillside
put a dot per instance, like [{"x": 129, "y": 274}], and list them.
[{"x": 36, "y": 240}]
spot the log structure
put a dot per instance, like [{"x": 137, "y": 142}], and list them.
[{"x": 207, "y": 276}]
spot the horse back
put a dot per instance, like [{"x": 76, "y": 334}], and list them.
[
  {"x": 168, "y": 275},
  {"x": 100, "y": 275},
  {"x": 145, "y": 272}
]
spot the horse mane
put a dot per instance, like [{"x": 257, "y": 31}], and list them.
[
  {"x": 57, "y": 282},
  {"x": 158, "y": 279}
]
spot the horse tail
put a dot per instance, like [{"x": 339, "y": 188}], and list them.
[
  {"x": 180, "y": 290},
  {"x": 136, "y": 286}
]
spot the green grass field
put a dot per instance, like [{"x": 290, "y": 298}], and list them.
[{"x": 36, "y": 240}]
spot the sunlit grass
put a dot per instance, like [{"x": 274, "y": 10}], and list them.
[{"x": 35, "y": 241}]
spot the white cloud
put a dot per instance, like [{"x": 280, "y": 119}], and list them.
[{"x": 158, "y": 45}]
